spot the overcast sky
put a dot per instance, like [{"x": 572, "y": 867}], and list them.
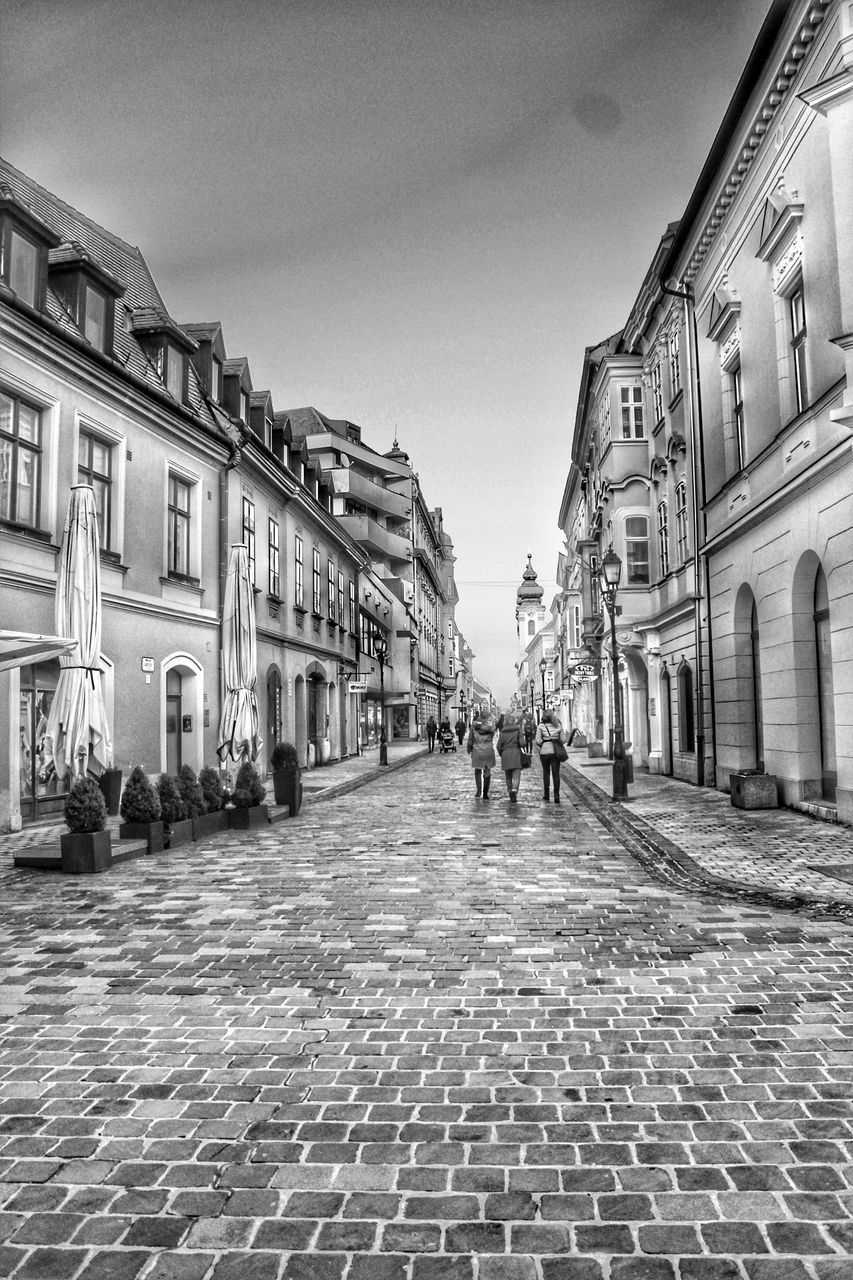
[{"x": 414, "y": 214}]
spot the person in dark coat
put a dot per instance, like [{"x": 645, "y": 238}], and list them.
[
  {"x": 528, "y": 728},
  {"x": 548, "y": 735},
  {"x": 482, "y": 751},
  {"x": 510, "y": 747},
  {"x": 460, "y": 729},
  {"x": 432, "y": 729}
]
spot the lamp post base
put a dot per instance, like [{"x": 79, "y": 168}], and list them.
[
  {"x": 383, "y": 750},
  {"x": 620, "y": 768}
]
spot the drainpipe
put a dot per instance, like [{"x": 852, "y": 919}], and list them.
[
  {"x": 701, "y": 578},
  {"x": 231, "y": 463}
]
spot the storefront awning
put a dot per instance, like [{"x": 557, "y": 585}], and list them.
[{"x": 20, "y": 648}]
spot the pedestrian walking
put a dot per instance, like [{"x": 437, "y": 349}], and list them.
[
  {"x": 510, "y": 749},
  {"x": 551, "y": 740},
  {"x": 481, "y": 747},
  {"x": 460, "y": 729},
  {"x": 432, "y": 729},
  {"x": 528, "y": 728}
]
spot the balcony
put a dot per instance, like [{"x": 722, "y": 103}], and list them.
[
  {"x": 370, "y": 534},
  {"x": 354, "y": 484}
]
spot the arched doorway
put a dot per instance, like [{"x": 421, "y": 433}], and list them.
[
  {"x": 666, "y": 721},
  {"x": 181, "y": 713},
  {"x": 174, "y": 727},
  {"x": 275, "y": 730},
  {"x": 825, "y": 687}
]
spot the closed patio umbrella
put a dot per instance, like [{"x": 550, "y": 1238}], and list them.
[
  {"x": 78, "y": 735},
  {"x": 238, "y": 726}
]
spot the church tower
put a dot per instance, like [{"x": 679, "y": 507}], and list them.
[{"x": 529, "y": 609}]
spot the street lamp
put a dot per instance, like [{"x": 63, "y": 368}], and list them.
[
  {"x": 609, "y": 575},
  {"x": 531, "y": 695},
  {"x": 380, "y": 652},
  {"x": 543, "y": 667},
  {"x": 440, "y": 698},
  {"x": 462, "y": 705}
]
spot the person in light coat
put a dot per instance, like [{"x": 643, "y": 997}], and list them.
[
  {"x": 548, "y": 736},
  {"x": 482, "y": 751},
  {"x": 510, "y": 747}
]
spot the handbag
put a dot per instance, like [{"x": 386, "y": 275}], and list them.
[
  {"x": 525, "y": 760},
  {"x": 560, "y": 752}
]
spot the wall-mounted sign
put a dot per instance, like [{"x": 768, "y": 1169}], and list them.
[
  {"x": 358, "y": 686},
  {"x": 147, "y": 664},
  {"x": 584, "y": 673}
]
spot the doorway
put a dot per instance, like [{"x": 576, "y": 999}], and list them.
[
  {"x": 825, "y": 688},
  {"x": 174, "y": 721},
  {"x": 42, "y": 792}
]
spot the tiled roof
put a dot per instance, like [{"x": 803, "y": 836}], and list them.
[{"x": 122, "y": 261}]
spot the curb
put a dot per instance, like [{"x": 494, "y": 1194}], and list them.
[
  {"x": 669, "y": 863},
  {"x": 370, "y": 775}
]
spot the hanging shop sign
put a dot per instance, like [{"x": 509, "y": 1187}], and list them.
[{"x": 584, "y": 673}]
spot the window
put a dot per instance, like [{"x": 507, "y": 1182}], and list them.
[
  {"x": 686, "y": 730},
  {"x": 657, "y": 391},
  {"x": 663, "y": 540},
  {"x": 20, "y": 460},
  {"x": 682, "y": 545},
  {"x": 94, "y": 467},
  {"x": 352, "y": 607},
  {"x": 632, "y": 413},
  {"x": 23, "y": 267},
  {"x": 274, "y": 559},
  {"x": 215, "y": 379},
  {"x": 330, "y": 592},
  {"x": 736, "y": 393},
  {"x": 531, "y": 627},
  {"x": 179, "y": 527},
  {"x": 299, "y": 575},
  {"x": 604, "y": 421},
  {"x": 340, "y": 599},
  {"x": 315, "y": 584},
  {"x": 174, "y": 372},
  {"x": 575, "y": 624},
  {"x": 637, "y": 549},
  {"x": 674, "y": 364},
  {"x": 244, "y": 406},
  {"x": 248, "y": 531},
  {"x": 95, "y": 317},
  {"x": 797, "y": 315}
]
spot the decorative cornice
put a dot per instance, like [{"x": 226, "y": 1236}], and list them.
[
  {"x": 786, "y": 72},
  {"x": 829, "y": 93}
]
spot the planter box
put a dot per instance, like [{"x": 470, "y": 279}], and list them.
[
  {"x": 179, "y": 833},
  {"x": 85, "y": 853},
  {"x": 150, "y": 831},
  {"x": 110, "y": 784},
  {"x": 246, "y": 819},
  {"x": 209, "y": 823},
  {"x": 754, "y": 790},
  {"x": 595, "y": 750},
  {"x": 287, "y": 786}
]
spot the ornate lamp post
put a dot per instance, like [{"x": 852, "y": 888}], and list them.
[
  {"x": 543, "y": 667},
  {"x": 380, "y": 652},
  {"x": 609, "y": 575},
  {"x": 462, "y": 705},
  {"x": 531, "y": 695}
]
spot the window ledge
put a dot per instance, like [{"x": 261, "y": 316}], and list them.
[
  {"x": 679, "y": 395},
  {"x": 189, "y": 584},
  {"x": 24, "y": 531},
  {"x": 300, "y": 609}
]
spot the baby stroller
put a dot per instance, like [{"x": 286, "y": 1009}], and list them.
[{"x": 446, "y": 740}]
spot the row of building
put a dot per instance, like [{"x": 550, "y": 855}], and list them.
[
  {"x": 99, "y": 385},
  {"x": 712, "y": 452}
]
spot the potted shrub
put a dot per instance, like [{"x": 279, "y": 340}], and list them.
[
  {"x": 86, "y": 846},
  {"x": 286, "y": 776},
  {"x": 754, "y": 789},
  {"x": 214, "y": 817},
  {"x": 249, "y": 793},
  {"x": 140, "y": 811},
  {"x": 179, "y": 828},
  {"x": 110, "y": 784}
]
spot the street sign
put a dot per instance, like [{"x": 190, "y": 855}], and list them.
[{"x": 358, "y": 686}]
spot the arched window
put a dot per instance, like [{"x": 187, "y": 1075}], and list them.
[
  {"x": 663, "y": 540},
  {"x": 686, "y": 725},
  {"x": 531, "y": 627}
]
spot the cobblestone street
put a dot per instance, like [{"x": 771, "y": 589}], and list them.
[{"x": 412, "y": 1035}]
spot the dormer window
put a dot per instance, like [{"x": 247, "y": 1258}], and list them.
[
  {"x": 24, "y": 244},
  {"x": 86, "y": 291},
  {"x": 216, "y": 380},
  {"x": 175, "y": 373},
  {"x": 244, "y": 406},
  {"x": 166, "y": 346}
]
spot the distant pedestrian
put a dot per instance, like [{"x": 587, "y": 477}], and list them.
[
  {"x": 460, "y": 729},
  {"x": 551, "y": 740},
  {"x": 482, "y": 751},
  {"x": 528, "y": 728},
  {"x": 510, "y": 747},
  {"x": 432, "y": 730}
]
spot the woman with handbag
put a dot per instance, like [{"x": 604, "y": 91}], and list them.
[
  {"x": 482, "y": 752},
  {"x": 551, "y": 740},
  {"x": 512, "y": 753}
]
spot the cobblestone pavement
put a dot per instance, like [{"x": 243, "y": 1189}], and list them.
[{"x": 411, "y": 1035}]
